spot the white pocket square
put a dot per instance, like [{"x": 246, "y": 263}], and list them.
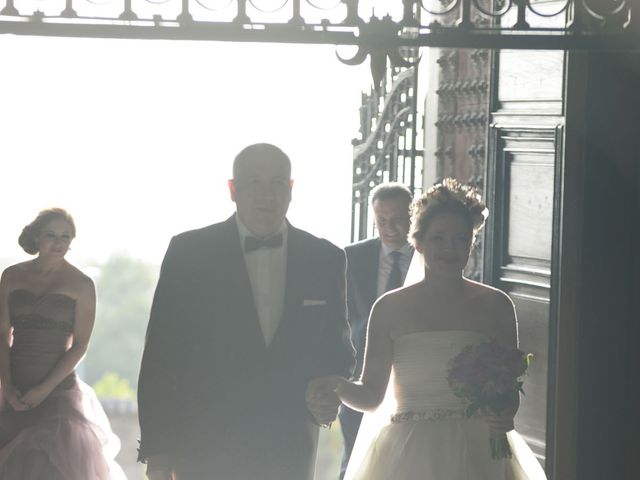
[{"x": 311, "y": 303}]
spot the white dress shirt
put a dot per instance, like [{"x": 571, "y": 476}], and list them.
[
  {"x": 385, "y": 263},
  {"x": 267, "y": 269}
]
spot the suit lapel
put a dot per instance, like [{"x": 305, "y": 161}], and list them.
[
  {"x": 293, "y": 284},
  {"x": 370, "y": 272},
  {"x": 235, "y": 270}
]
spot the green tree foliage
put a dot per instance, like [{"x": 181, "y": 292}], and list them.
[
  {"x": 125, "y": 289},
  {"x": 111, "y": 385}
]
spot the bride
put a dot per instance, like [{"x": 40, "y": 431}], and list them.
[{"x": 413, "y": 333}]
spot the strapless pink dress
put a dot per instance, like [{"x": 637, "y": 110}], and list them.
[{"x": 67, "y": 436}]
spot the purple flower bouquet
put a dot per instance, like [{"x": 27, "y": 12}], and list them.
[{"x": 487, "y": 376}]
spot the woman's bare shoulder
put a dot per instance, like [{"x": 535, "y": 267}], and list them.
[
  {"x": 392, "y": 308},
  {"x": 497, "y": 312},
  {"x": 76, "y": 283},
  {"x": 489, "y": 296},
  {"x": 400, "y": 297},
  {"x": 81, "y": 279},
  {"x": 16, "y": 271}
]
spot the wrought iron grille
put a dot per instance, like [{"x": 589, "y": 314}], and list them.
[
  {"x": 387, "y": 150},
  {"x": 531, "y": 24}
]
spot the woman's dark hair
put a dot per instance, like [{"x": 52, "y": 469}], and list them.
[{"x": 27, "y": 238}]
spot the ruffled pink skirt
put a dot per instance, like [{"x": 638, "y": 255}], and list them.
[{"x": 66, "y": 437}]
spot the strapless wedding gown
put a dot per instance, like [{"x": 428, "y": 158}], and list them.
[
  {"x": 67, "y": 436},
  {"x": 428, "y": 436}
]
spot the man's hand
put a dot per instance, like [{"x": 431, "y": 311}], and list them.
[
  {"x": 322, "y": 400},
  {"x": 159, "y": 468},
  {"x": 160, "y": 475}
]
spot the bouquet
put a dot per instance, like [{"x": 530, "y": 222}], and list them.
[{"x": 487, "y": 376}]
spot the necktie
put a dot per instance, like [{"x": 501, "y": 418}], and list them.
[
  {"x": 253, "y": 243},
  {"x": 395, "y": 276}
]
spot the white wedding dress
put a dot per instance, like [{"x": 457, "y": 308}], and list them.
[{"x": 428, "y": 436}]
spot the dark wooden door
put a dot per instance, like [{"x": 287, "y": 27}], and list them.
[{"x": 524, "y": 154}]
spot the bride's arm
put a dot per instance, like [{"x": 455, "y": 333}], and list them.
[
  {"x": 83, "y": 325},
  {"x": 504, "y": 314},
  {"x": 506, "y": 334},
  {"x": 367, "y": 393}
]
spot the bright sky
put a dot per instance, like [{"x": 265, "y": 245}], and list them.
[{"x": 136, "y": 138}]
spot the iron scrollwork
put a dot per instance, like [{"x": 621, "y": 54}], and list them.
[
  {"x": 529, "y": 24},
  {"x": 377, "y": 43},
  {"x": 387, "y": 151}
]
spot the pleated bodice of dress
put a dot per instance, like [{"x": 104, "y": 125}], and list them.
[
  {"x": 42, "y": 329},
  {"x": 421, "y": 365},
  {"x": 429, "y": 436},
  {"x": 67, "y": 436}
]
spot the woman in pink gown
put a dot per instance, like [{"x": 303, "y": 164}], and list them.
[{"x": 51, "y": 425}]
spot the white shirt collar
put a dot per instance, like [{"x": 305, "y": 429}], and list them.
[
  {"x": 244, "y": 231},
  {"x": 405, "y": 250}
]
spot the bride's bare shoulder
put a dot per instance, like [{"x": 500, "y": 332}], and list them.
[
  {"x": 391, "y": 308},
  {"x": 497, "y": 312},
  {"x": 487, "y": 295},
  {"x": 401, "y": 297}
]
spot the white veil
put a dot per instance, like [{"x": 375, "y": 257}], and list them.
[{"x": 373, "y": 422}]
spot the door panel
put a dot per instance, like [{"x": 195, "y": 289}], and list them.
[
  {"x": 522, "y": 173},
  {"x": 530, "y": 211}
]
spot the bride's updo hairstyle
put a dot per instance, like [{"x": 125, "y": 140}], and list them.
[
  {"x": 450, "y": 196},
  {"x": 27, "y": 239}
]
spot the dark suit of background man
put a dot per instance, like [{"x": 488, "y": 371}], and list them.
[
  {"x": 245, "y": 314},
  {"x": 374, "y": 267}
]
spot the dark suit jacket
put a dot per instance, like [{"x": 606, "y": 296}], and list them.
[
  {"x": 210, "y": 392},
  {"x": 362, "y": 291}
]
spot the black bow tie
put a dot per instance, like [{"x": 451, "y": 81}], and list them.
[{"x": 253, "y": 243}]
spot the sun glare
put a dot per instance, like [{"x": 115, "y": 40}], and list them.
[{"x": 136, "y": 138}]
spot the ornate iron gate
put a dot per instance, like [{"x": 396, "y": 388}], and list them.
[{"x": 388, "y": 149}]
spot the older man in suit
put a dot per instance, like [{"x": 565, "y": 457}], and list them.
[
  {"x": 247, "y": 313},
  {"x": 374, "y": 267}
]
